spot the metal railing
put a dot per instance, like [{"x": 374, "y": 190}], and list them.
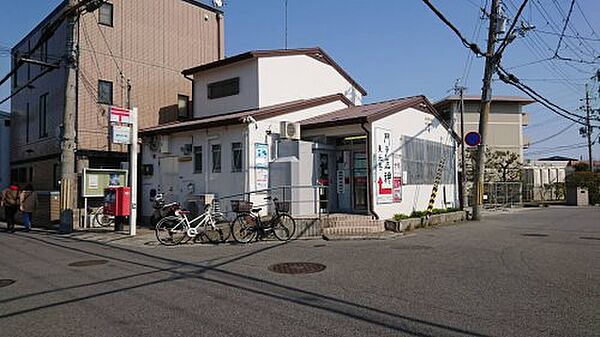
[{"x": 305, "y": 200}]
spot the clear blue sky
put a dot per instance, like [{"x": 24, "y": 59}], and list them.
[{"x": 399, "y": 48}]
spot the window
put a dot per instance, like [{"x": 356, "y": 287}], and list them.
[
  {"x": 7, "y": 123},
  {"x": 197, "y": 159},
  {"x": 216, "y": 158},
  {"x": 27, "y": 124},
  {"x": 236, "y": 157},
  {"x": 183, "y": 111},
  {"x": 105, "y": 92},
  {"x": 420, "y": 159},
  {"x": 43, "y": 116},
  {"x": 225, "y": 88},
  {"x": 105, "y": 14}
]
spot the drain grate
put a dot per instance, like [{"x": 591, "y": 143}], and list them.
[
  {"x": 412, "y": 247},
  {"x": 534, "y": 234},
  {"x": 589, "y": 238},
  {"x": 6, "y": 282},
  {"x": 88, "y": 263},
  {"x": 297, "y": 268}
]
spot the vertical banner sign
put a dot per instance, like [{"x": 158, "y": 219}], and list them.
[
  {"x": 261, "y": 166},
  {"x": 397, "y": 193},
  {"x": 384, "y": 178}
]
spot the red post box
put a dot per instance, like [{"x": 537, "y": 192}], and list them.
[{"x": 117, "y": 201}]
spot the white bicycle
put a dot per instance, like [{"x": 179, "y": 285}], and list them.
[{"x": 170, "y": 231}]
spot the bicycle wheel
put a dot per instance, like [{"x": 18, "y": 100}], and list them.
[
  {"x": 284, "y": 227},
  {"x": 101, "y": 219},
  {"x": 214, "y": 235},
  {"x": 243, "y": 228},
  {"x": 171, "y": 230}
]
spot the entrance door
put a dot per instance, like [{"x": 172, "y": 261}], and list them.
[
  {"x": 169, "y": 174},
  {"x": 359, "y": 179}
]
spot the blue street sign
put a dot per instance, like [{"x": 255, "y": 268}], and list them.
[{"x": 473, "y": 138}]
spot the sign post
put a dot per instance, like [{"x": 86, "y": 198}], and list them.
[{"x": 133, "y": 169}]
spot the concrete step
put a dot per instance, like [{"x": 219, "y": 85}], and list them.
[
  {"x": 352, "y": 230},
  {"x": 351, "y": 220}
]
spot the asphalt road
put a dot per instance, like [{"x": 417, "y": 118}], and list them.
[{"x": 526, "y": 273}]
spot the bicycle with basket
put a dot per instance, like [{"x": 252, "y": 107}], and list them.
[{"x": 249, "y": 225}]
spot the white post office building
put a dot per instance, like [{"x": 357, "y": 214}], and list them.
[{"x": 293, "y": 119}]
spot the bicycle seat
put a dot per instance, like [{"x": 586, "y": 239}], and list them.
[
  {"x": 256, "y": 210},
  {"x": 183, "y": 211}
]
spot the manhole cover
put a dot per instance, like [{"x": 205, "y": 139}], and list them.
[
  {"x": 412, "y": 247},
  {"x": 297, "y": 268},
  {"x": 535, "y": 234},
  {"x": 87, "y": 263},
  {"x": 589, "y": 238},
  {"x": 6, "y": 282}
]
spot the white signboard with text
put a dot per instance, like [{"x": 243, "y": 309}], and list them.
[{"x": 384, "y": 166}]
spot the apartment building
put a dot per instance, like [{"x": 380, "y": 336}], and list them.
[
  {"x": 140, "y": 44},
  {"x": 505, "y": 127},
  {"x": 4, "y": 149}
]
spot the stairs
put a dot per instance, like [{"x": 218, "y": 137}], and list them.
[{"x": 351, "y": 224}]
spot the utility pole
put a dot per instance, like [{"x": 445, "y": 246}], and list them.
[
  {"x": 460, "y": 90},
  {"x": 68, "y": 181},
  {"x": 588, "y": 127},
  {"x": 491, "y": 62},
  {"x": 133, "y": 162}
]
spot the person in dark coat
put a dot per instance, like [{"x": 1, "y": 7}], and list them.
[{"x": 9, "y": 199}]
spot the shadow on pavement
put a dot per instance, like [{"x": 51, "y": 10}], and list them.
[{"x": 379, "y": 317}]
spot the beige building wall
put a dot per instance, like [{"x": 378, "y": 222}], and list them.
[{"x": 150, "y": 43}]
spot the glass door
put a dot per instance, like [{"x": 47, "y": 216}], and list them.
[{"x": 359, "y": 180}]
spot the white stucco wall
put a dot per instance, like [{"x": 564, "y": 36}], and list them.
[
  {"x": 412, "y": 123},
  {"x": 287, "y": 78},
  {"x": 247, "y": 71},
  {"x": 175, "y": 184}
]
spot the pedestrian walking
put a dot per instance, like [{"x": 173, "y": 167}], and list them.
[
  {"x": 28, "y": 202},
  {"x": 9, "y": 199}
]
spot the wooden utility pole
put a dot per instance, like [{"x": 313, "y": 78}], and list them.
[
  {"x": 68, "y": 185},
  {"x": 491, "y": 62},
  {"x": 588, "y": 127}
]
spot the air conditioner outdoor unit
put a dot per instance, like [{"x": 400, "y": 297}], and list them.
[{"x": 289, "y": 130}]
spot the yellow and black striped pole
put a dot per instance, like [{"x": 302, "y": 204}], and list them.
[{"x": 436, "y": 184}]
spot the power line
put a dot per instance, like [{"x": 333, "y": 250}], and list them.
[
  {"x": 567, "y": 35},
  {"x": 473, "y": 46},
  {"x": 552, "y": 136},
  {"x": 562, "y": 34}
]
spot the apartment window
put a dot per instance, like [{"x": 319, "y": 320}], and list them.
[
  {"x": 216, "y": 158},
  {"x": 197, "y": 159},
  {"x": 183, "y": 106},
  {"x": 237, "y": 155},
  {"x": 27, "y": 124},
  {"x": 43, "y": 116},
  {"x": 105, "y": 92},
  {"x": 105, "y": 14},
  {"x": 224, "y": 88}
]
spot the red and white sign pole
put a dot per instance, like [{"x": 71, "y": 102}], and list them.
[{"x": 133, "y": 170}]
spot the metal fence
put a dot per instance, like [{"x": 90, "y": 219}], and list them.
[
  {"x": 305, "y": 201},
  {"x": 545, "y": 192}
]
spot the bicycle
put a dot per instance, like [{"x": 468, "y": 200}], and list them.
[
  {"x": 170, "y": 231},
  {"x": 249, "y": 225},
  {"x": 99, "y": 218}
]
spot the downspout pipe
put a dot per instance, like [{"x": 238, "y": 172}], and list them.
[
  {"x": 370, "y": 205},
  {"x": 192, "y": 100}
]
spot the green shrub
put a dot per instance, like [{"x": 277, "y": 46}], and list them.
[
  {"x": 586, "y": 179},
  {"x": 400, "y": 216}
]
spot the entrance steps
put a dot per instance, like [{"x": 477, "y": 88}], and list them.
[{"x": 351, "y": 224}]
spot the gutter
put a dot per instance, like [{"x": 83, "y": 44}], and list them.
[{"x": 369, "y": 173}]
